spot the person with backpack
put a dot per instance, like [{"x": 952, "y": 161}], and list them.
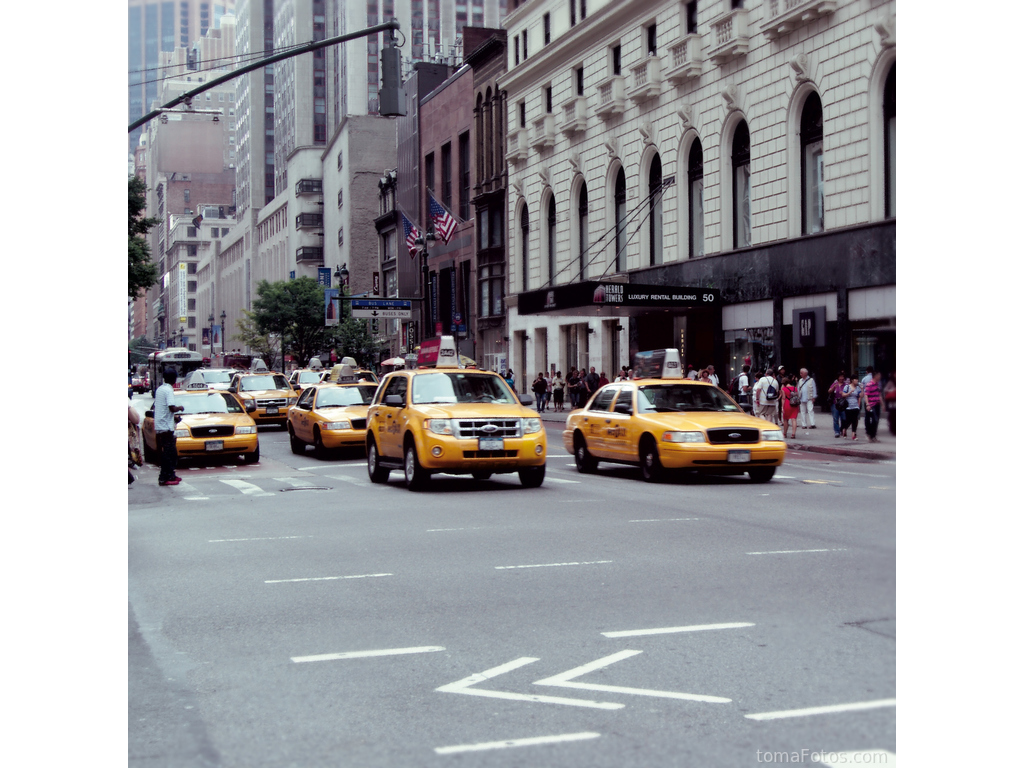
[
  {"x": 790, "y": 406},
  {"x": 767, "y": 392},
  {"x": 739, "y": 388}
]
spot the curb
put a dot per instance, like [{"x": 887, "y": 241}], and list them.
[{"x": 878, "y": 455}]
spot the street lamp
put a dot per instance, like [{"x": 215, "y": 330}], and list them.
[
  {"x": 223, "y": 320},
  {"x": 341, "y": 273},
  {"x": 211, "y": 333},
  {"x": 422, "y": 241},
  {"x": 181, "y": 336}
]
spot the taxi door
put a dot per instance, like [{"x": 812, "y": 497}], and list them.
[
  {"x": 302, "y": 422},
  {"x": 597, "y": 421},
  {"x": 621, "y": 437},
  {"x": 389, "y": 419}
]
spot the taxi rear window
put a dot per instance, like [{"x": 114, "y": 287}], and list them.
[
  {"x": 214, "y": 402},
  {"x": 663, "y": 398},
  {"x": 216, "y": 377},
  {"x": 258, "y": 383},
  {"x": 329, "y": 396}
]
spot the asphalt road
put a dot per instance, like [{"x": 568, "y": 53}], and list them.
[{"x": 595, "y": 621}]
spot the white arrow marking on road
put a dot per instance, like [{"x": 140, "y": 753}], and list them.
[
  {"x": 673, "y": 630},
  {"x": 246, "y": 488},
  {"x": 517, "y": 743},
  {"x": 563, "y": 680},
  {"x": 464, "y": 686},
  {"x": 795, "y": 551},
  {"x": 367, "y": 654},
  {"x": 855, "y": 707}
]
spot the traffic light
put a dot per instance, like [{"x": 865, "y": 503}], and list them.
[{"x": 391, "y": 94}]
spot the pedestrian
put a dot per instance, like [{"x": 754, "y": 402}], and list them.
[
  {"x": 852, "y": 391},
  {"x": 691, "y": 374},
  {"x": 134, "y": 449},
  {"x": 591, "y": 382},
  {"x": 573, "y": 384},
  {"x": 164, "y": 409},
  {"x": 602, "y": 380},
  {"x": 780, "y": 374},
  {"x": 539, "y": 386},
  {"x": 712, "y": 377},
  {"x": 790, "y": 406},
  {"x": 558, "y": 390},
  {"x": 547, "y": 389},
  {"x": 510, "y": 379},
  {"x": 744, "y": 387},
  {"x": 838, "y": 404},
  {"x": 704, "y": 376},
  {"x": 769, "y": 396},
  {"x": 889, "y": 396},
  {"x": 808, "y": 391},
  {"x": 871, "y": 401}
]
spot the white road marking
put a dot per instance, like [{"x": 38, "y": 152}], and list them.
[
  {"x": 328, "y": 578},
  {"x": 796, "y": 551},
  {"x": 246, "y": 488},
  {"x": 464, "y": 686},
  {"x": 819, "y": 468},
  {"x": 517, "y": 743},
  {"x": 347, "y": 479},
  {"x": 294, "y": 482},
  {"x": 665, "y": 520},
  {"x": 367, "y": 654},
  {"x": 831, "y": 709},
  {"x": 673, "y": 630},
  {"x": 564, "y": 679},
  {"x": 861, "y": 757},
  {"x": 548, "y": 565},
  {"x": 259, "y": 538},
  {"x": 436, "y": 530},
  {"x": 550, "y": 479},
  {"x": 197, "y": 498}
]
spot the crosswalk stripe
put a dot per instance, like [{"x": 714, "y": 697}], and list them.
[{"x": 247, "y": 489}]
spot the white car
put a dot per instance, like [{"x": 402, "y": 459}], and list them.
[{"x": 213, "y": 378}]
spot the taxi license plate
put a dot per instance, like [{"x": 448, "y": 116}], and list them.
[
  {"x": 492, "y": 443},
  {"x": 215, "y": 445},
  {"x": 271, "y": 411},
  {"x": 739, "y": 457}
]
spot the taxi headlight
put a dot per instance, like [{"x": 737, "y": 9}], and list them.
[
  {"x": 439, "y": 426},
  {"x": 337, "y": 425},
  {"x": 530, "y": 426},
  {"x": 773, "y": 434},
  {"x": 683, "y": 437},
  {"x": 182, "y": 432},
  {"x": 245, "y": 430}
]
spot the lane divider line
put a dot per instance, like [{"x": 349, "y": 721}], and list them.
[
  {"x": 828, "y": 710},
  {"x": 673, "y": 630},
  {"x": 560, "y": 739},
  {"x": 548, "y": 565},
  {"x": 328, "y": 578},
  {"x": 367, "y": 654}
]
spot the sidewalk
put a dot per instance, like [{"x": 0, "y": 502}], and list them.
[{"x": 820, "y": 440}]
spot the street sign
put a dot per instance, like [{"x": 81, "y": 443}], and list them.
[{"x": 377, "y": 308}]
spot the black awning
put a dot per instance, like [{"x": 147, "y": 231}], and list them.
[{"x": 605, "y": 299}]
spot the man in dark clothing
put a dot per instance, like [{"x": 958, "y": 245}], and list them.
[{"x": 592, "y": 381}]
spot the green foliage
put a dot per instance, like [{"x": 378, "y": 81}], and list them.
[
  {"x": 352, "y": 338},
  {"x": 139, "y": 350},
  {"x": 141, "y": 271},
  {"x": 294, "y": 310},
  {"x": 249, "y": 335}
]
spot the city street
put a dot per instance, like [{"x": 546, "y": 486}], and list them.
[{"x": 290, "y": 613}]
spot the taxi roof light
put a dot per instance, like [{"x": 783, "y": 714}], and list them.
[{"x": 658, "y": 364}]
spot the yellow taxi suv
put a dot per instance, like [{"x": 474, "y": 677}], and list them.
[
  {"x": 330, "y": 416},
  {"x": 269, "y": 392},
  {"x": 212, "y": 424},
  {"x": 662, "y": 422},
  {"x": 453, "y": 420}
]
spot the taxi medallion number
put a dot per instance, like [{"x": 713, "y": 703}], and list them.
[
  {"x": 492, "y": 443},
  {"x": 215, "y": 445},
  {"x": 739, "y": 457}
]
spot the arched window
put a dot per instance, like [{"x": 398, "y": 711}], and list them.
[
  {"x": 581, "y": 223},
  {"x": 488, "y": 136},
  {"x": 551, "y": 240},
  {"x": 812, "y": 156},
  {"x": 741, "y": 228},
  {"x": 695, "y": 174},
  {"x": 654, "y": 225},
  {"x": 889, "y": 111},
  {"x": 524, "y": 228},
  {"x": 620, "y": 221}
]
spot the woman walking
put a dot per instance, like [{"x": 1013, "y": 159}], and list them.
[
  {"x": 558, "y": 390},
  {"x": 852, "y": 391},
  {"x": 835, "y": 398},
  {"x": 789, "y": 411}
]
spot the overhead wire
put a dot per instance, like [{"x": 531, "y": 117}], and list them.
[{"x": 237, "y": 59}]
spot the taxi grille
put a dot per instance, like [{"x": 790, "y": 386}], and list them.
[
  {"x": 213, "y": 431},
  {"x": 474, "y": 428},
  {"x": 490, "y": 454},
  {"x": 280, "y": 402},
  {"x": 729, "y": 436},
  {"x": 358, "y": 423}
]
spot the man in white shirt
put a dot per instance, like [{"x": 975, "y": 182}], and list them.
[
  {"x": 808, "y": 391},
  {"x": 164, "y": 409},
  {"x": 712, "y": 377},
  {"x": 766, "y": 395}
]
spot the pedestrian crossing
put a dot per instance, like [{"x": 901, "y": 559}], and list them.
[{"x": 212, "y": 487}]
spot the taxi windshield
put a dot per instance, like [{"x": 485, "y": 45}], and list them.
[
  {"x": 208, "y": 403},
  {"x": 459, "y": 387},
  {"x": 662, "y": 398},
  {"x": 339, "y": 396},
  {"x": 216, "y": 377},
  {"x": 258, "y": 383}
]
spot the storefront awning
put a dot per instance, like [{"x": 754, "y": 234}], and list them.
[{"x": 605, "y": 299}]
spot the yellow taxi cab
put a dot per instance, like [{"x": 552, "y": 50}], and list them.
[
  {"x": 329, "y": 416},
  {"x": 348, "y": 367},
  {"x": 444, "y": 418},
  {"x": 212, "y": 424},
  {"x": 305, "y": 377},
  {"x": 269, "y": 391},
  {"x": 661, "y": 421}
]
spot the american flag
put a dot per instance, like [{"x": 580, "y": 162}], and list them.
[
  {"x": 411, "y": 235},
  {"x": 444, "y": 222}
]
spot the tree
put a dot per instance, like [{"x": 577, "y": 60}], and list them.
[
  {"x": 250, "y": 335},
  {"x": 294, "y": 310},
  {"x": 352, "y": 338},
  {"x": 141, "y": 271}
]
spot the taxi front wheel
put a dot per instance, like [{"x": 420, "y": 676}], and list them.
[
  {"x": 416, "y": 476},
  {"x": 761, "y": 474},
  {"x": 532, "y": 477},
  {"x": 378, "y": 474},
  {"x": 650, "y": 464}
]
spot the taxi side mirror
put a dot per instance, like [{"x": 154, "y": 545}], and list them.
[
  {"x": 626, "y": 408},
  {"x": 394, "y": 400},
  {"x": 233, "y": 390},
  {"x": 250, "y": 406},
  {"x": 526, "y": 399}
]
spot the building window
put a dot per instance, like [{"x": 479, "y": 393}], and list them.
[
  {"x": 652, "y": 40},
  {"x": 547, "y": 100},
  {"x": 339, "y": 161},
  {"x": 524, "y": 234},
  {"x": 695, "y": 175},
  {"x": 812, "y": 156},
  {"x": 579, "y": 81},
  {"x": 192, "y": 266},
  {"x": 192, "y": 305},
  {"x": 340, "y": 198},
  {"x": 583, "y": 9},
  {"x": 547, "y": 28},
  {"x": 616, "y": 60},
  {"x": 446, "y": 175},
  {"x": 582, "y": 215},
  {"x": 341, "y": 236},
  {"x": 188, "y": 196},
  {"x": 691, "y": 17},
  {"x": 516, "y": 46},
  {"x": 620, "y": 221},
  {"x": 491, "y": 280},
  {"x": 525, "y": 54},
  {"x": 497, "y": 239},
  {"x": 522, "y": 114},
  {"x": 654, "y": 226},
  {"x": 428, "y": 171},
  {"x": 191, "y": 286},
  {"x": 464, "y": 176},
  {"x": 572, "y": 13},
  {"x": 889, "y": 112},
  {"x": 552, "y": 247},
  {"x": 741, "y": 226},
  {"x": 192, "y": 320}
]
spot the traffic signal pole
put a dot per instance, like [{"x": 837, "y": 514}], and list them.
[{"x": 186, "y": 98}]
